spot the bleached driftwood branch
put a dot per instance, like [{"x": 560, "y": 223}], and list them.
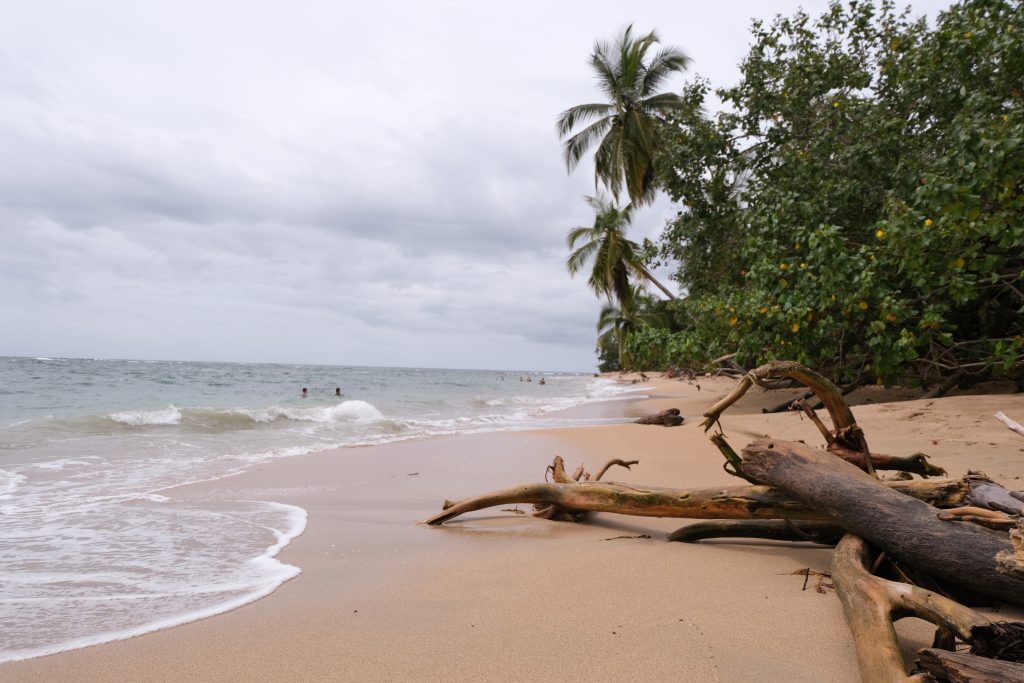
[{"x": 1014, "y": 426}]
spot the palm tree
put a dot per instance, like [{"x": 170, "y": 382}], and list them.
[
  {"x": 615, "y": 256},
  {"x": 615, "y": 322},
  {"x": 627, "y": 125}
]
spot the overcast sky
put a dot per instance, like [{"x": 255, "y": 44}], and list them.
[{"x": 323, "y": 182}]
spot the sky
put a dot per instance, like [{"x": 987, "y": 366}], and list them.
[{"x": 313, "y": 181}]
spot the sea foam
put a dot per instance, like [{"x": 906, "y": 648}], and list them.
[
  {"x": 343, "y": 412},
  {"x": 255, "y": 578},
  {"x": 9, "y": 482},
  {"x": 137, "y": 418}
]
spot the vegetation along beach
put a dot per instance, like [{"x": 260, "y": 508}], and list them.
[{"x": 753, "y": 394}]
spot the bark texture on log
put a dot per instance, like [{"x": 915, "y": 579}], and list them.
[
  {"x": 960, "y": 667},
  {"x": 737, "y": 502},
  {"x": 906, "y": 528}
]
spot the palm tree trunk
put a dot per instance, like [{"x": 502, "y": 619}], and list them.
[
  {"x": 618, "y": 335},
  {"x": 650, "y": 278}
]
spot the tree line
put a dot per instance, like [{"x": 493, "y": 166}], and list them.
[{"x": 854, "y": 202}]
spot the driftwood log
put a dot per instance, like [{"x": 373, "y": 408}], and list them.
[
  {"x": 871, "y": 605},
  {"x": 668, "y": 418},
  {"x": 937, "y": 535},
  {"x": 579, "y": 494},
  {"x": 907, "y": 529},
  {"x": 954, "y": 667},
  {"x": 1010, "y": 424}
]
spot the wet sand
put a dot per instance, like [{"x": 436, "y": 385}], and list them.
[{"x": 500, "y": 596}]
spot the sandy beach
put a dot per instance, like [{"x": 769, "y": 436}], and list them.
[{"x": 501, "y": 596}]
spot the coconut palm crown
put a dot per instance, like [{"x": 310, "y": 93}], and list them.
[
  {"x": 625, "y": 128},
  {"x": 615, "y": 257}
]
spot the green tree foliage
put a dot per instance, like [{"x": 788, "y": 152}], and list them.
[
  {"x": 633, "y": 312},
  {"x": 626, "y": 127},
  {"x": 858, "y": 201}
]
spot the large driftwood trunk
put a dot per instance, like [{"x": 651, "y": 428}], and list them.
[{"x": 904, "y": 527}]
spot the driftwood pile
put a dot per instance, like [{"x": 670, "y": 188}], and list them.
[{"x": 925, "y": 548}]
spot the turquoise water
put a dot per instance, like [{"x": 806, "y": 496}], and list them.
[{"x": 91, "y": 548}]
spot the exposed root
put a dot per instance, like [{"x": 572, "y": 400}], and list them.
[{"x": 872, "y": 604}]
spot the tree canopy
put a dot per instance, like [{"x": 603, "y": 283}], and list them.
[{"x": 857, "y": 202}]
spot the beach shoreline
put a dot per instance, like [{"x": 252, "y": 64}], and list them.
[{"x": 504, "y": 596}]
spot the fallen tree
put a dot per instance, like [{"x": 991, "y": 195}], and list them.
[{"x": 941, "y": 537}]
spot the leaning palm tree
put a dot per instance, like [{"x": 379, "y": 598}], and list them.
[
  {"x": 615, "y": 257},
  {"x": 632, "y": 313},
  {"x": 627, "y": 125}
]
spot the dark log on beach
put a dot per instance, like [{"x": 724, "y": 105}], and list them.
[
  {"x": 915, "y": 464},
  {"x": 904, "y": 527},
  {"x": 826, "y": 533},
  {"x": 959, "y": 667},
  {"x": 871, "y": 605},
  {"x": 668, "y": 418},
  {"x": 945, "y": 387}
]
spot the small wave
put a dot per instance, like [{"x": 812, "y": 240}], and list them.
[
  {"x": 137, "y": 418},
  {"x": 346, "y": 411},
  {"x": 61, "y": 464},
  {"x": 9, "y": 482}
]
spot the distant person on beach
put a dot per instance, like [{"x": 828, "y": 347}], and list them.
[
  {"x": 542, "y": 381},
  {"x": 305, "y": 392},
  {"x": 337, "y": 391}
]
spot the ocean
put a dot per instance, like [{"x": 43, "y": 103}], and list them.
[{"x": 92, "y": 549}]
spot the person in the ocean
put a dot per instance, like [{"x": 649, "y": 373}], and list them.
[
  {"x": 305, "y": 392},
  {"x": 542, "y": 381},
  {"x": 337, "y": 391}
]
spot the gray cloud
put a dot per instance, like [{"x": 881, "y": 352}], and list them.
[{"x": 314, "y": 181}]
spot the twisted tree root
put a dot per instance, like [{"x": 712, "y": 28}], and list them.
[{"x": 871, "y": 605}]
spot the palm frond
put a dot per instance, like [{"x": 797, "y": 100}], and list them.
[
  {"x": 668, "y": 61},
  {"x": 581, "y": 113},
  {"x": 575, "y": 147}
]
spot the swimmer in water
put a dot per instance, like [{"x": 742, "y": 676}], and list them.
[
  {"x": 305, "y": 392},
  {"x": 337, "y": 391}
]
